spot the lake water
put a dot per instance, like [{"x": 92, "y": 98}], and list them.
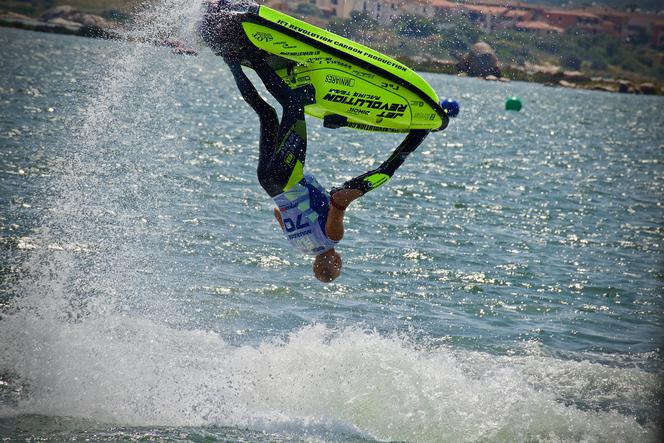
[{"x": 505, "y": 286}]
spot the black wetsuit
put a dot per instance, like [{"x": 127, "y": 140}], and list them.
[{"x": 283, "y": 144}]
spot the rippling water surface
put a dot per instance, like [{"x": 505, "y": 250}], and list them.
[{"x": 505, "y": 286}]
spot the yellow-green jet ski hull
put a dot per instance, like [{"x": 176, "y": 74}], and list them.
[{"x": 354, "y": 85}]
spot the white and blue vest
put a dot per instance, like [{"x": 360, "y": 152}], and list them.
[{"x": 304, "y": 213}]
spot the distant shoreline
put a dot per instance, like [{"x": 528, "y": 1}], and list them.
[
  {"x": 69, "y": 28},
  {"x": 549, "y": 77}
]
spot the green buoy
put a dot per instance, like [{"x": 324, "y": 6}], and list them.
[{"x": 513, "y": 104}]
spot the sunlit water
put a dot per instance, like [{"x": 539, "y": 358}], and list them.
[{"x": 505, "y": 286}]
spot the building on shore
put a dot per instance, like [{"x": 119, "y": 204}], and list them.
[{"x": 537, "y": 27}]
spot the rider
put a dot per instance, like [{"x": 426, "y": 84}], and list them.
[{"x": 311, "y": 218}]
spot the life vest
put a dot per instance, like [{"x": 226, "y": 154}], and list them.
[{"x": 304, "y": 210}]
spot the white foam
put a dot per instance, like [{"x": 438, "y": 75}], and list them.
[{"x": 133, "y": 371}]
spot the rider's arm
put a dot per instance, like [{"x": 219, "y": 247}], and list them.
[
  {"x": 334, "y": 227},
  {"x": 277, "y": 215},
  {"x": 360, "y": 185},
  {"x": 377, "y": 177}
]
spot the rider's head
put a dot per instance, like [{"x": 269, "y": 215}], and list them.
[{"x": 327, "y": 266}]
